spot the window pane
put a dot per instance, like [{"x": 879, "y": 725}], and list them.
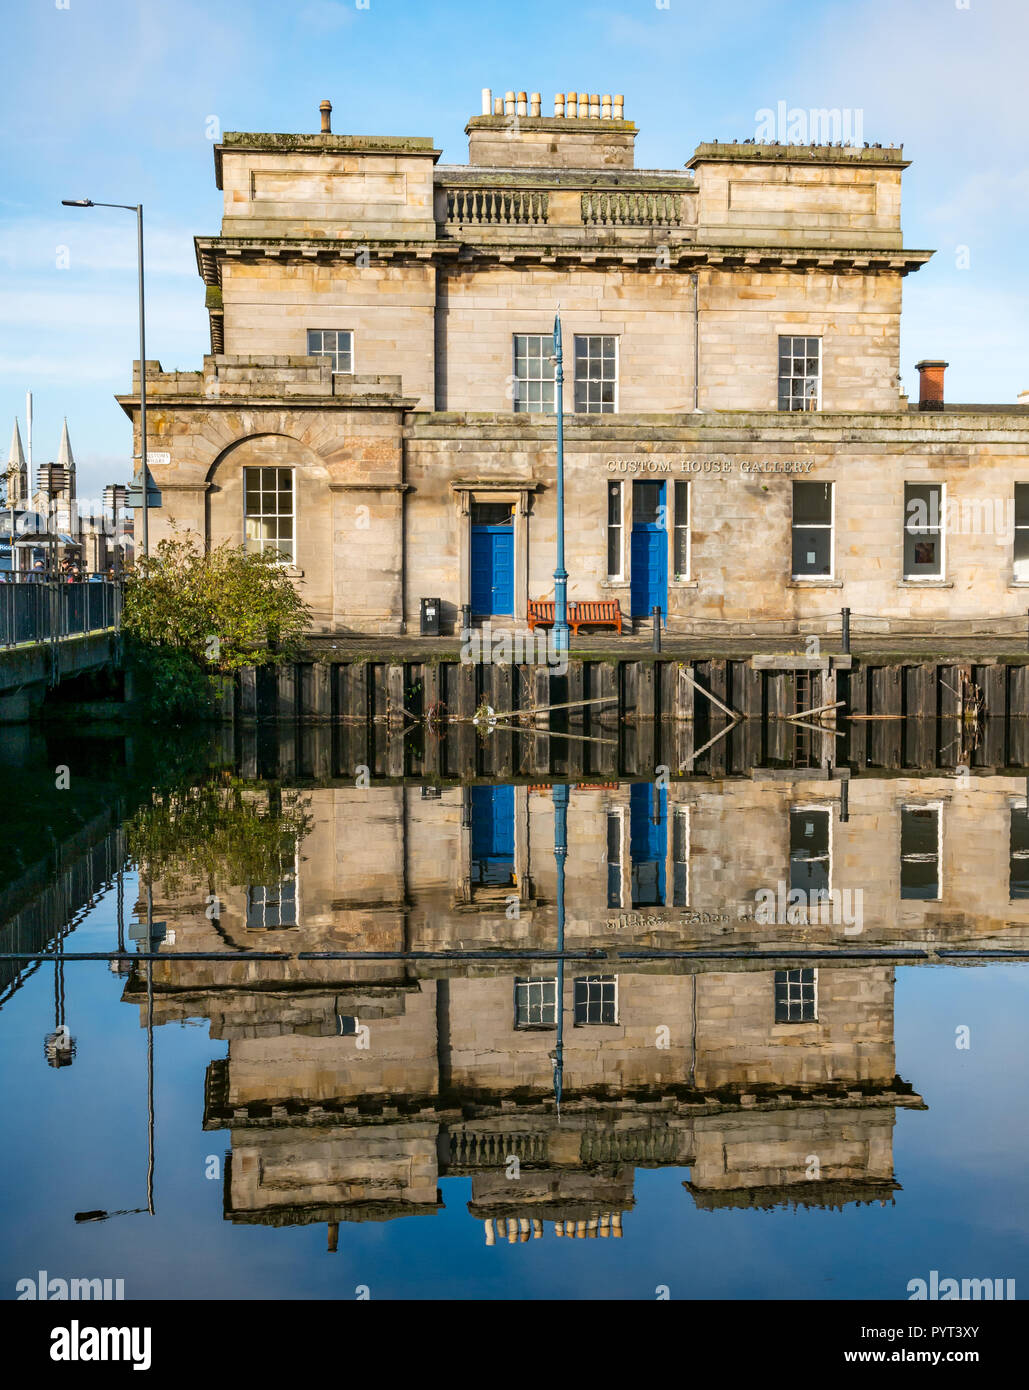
[
  {"x": 1022, "y": 504},
  {"x": 812, "y": 552},
  {"x": 920, "y": 852},
  {"x": 796, "y": 998},
  {"x": 1018, "y": 873},
  {"x": 812, "y": 504},
  {"x": 1022, "y": 553},
  {"x": 646, "y": 501},
  {"x": 809, "y": 851},
  {"x": 923, "y": 507}
]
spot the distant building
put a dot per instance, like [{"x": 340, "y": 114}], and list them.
[
  {"x": 378, "y": 404},
  {"x": 53, "y": 510}
]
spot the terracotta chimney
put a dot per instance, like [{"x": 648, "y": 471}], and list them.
[
  {"x": 930, "y": 388},
  {"x": 326, "y": 110}
]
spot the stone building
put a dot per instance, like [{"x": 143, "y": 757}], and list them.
[{"x": 378, "y": 403}]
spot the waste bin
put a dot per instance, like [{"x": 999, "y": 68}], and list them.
[{"x": 430, "y": 617}]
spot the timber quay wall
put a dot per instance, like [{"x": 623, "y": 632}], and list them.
[
  {"x": 447, "y": 720},
  {"x": 759, "y": 687}
]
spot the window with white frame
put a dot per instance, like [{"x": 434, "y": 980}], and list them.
[
  {"x": 268, "y": 512},
  {"x": 614, "y": 531},
  {"x": 1018, "y": 862},
  {"x": 615, "y": 830},
  {"x": 800, "y": 373},
  {"x": 536, "y": 1002},
  {"x": 534, "y": 373},
  {"x": 810, "y": 850},
  {"x": 796, "y": 996},
  {"x": 335, "y": 343},
  {"x": 921, "y": 834},
  {"x": 596, "y": 373},
  {"x": 923, "y": 530},
  {"x": 681, "y": 856},
  {"x": 596, "y": 999},
  {"x": 1021, "y": 556},
  {"x": 271, "y": 906},
  {"x": 681, "y": 529},
  {"x": 812, "y": 530}
]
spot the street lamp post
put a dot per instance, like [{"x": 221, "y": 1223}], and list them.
[
  {"x": 560, "y": 573},
  {"x": 137, "y": 208}
]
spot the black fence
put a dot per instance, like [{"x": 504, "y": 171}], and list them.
[{"x": 45, "y": 611}]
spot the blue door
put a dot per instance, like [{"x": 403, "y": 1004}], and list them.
[
  {"x": 493, "y": 836},
  {"x": 648, "y": 554},
  {"x": 492, "y": 570},
  {"x": 648, "y": 843}
]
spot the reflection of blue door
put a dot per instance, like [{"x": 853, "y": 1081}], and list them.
[
  {"x": 648, "y": 843},
  {"x": 492, "y": 570},
  {"x": 648, "y": 555},
  {"x": 493, "y": 835}
]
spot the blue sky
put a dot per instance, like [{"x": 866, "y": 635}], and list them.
[{"x": 113, "y": 100}]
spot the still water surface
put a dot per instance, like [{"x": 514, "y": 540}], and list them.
[{"x": 510, "y": 1040}]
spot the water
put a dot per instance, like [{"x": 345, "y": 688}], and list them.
[{"x": 389, "y": 1099}]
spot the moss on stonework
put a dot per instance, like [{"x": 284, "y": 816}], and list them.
[{"x": 213, "y": 297}]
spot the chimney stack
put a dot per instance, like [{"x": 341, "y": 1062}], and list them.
[
  {"x": 326, "y": 110},
  {"x": 930, "y": 387}
]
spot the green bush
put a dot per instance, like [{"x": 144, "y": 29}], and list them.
[{"x": 191, "y": 616}]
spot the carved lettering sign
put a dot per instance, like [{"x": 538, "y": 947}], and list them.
[{"x": 715, "y": 465}]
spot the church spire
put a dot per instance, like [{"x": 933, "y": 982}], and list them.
[
  {"x": 66, "y": 458},
  {"x": 17, "y": 471}
]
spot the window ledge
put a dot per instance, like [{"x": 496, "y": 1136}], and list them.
[
  {"x": 1019, "y": 584},
  {"x": 815, "y": 584},
  {"x": 614, "y": 584},
  {"x": 925, "y": 583},
  {"x": 684, "y": 583}
]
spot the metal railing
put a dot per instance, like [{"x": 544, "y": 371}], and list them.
[{"x": 47, "y": 611}]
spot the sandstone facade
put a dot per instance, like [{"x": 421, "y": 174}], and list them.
[{"x": 700, "y": 281}]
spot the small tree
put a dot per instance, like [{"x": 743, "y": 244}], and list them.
[{"x": 191, "y": 615}]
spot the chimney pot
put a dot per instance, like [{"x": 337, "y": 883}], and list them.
[
  {"x": 559, "y": 104},
  {"x": 606, "y": 106},
  {"x": 619, "y": 108},
  {"x": 487, "y": 101},
  {"x": 930, "y": 383},
  {"x": 522, "y": 107},
  {"x": 536, "y": 104},
  {"x": 595, "y": 106},
  {"x": 509, "y": 103},
  {"x": 584, "y": 105},
  {"x": 326, "y": 109},
  {"x": 498, "y": 106}
]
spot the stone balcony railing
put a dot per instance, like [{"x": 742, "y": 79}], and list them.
[
  {"x": 612, "y": 208},
  {"x": 505, "y": 206},
  {"x": 496, "y": 207}
]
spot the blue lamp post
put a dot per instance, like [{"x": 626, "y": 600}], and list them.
[{"x": 560, "y": 573}]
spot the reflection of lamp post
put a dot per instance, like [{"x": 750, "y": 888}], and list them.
[
  {"x": 81, "y": 1216},
  {"x": 59, "y": 1046},
  {"x": 137, "y": 208},
  {"x": 560, "y": 573},
  {"x": 560, "y": 794}
]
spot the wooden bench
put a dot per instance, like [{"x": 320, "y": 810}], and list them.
[
  {"x": 541, "y": 613},
  {"x": 603, "y": 612},
  {"x": 585, "y": 613}
]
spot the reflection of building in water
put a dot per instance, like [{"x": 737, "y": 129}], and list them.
[
  {"x": 932, "y": 860},
  {"x": 453, "y": 1077},
  {"x": 352, "y": 1085}
]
